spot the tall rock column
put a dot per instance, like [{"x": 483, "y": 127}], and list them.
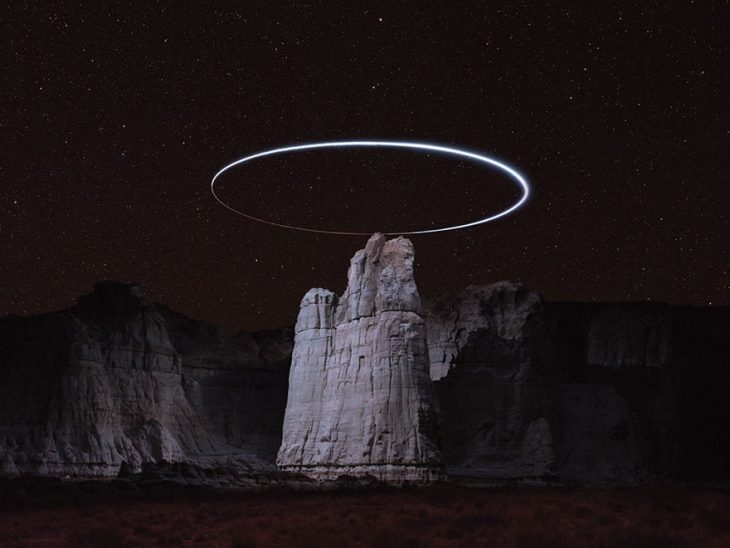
[{"x": 361, "y": 401}]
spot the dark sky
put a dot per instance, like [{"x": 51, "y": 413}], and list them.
[{"x": 113, "y": 122}]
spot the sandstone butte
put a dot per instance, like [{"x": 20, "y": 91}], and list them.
[{"x": 361, "y": 401}]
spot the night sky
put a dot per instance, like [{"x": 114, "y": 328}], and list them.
[{"x": 113, "y": 122}]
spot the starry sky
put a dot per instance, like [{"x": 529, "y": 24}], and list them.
[{"x": 115, "y": 119}]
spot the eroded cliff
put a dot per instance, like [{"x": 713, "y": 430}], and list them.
[
  {"x": 115, "y": 379},
  {"x": 361, "y": 401},
  {"x": 579, "y": 393},
  {"x": 528, "y": 390}
]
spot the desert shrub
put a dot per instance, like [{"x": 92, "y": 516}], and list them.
[
  {"x": 109, "y": 536},
  {"x": 666, "y": 497},
  {"x": 423, "y": 513},
  {"x": 716, "y": 516},
  {"x": 474, "y": 520},
  {"x": 535, "y": 537},
  {"x": 646, "y": 538},
  {"x": 169, "y": 540},
  {"x": 448, "y": 516},
  {"x": 6, "y": 537},
  {"x": 683, "y": 522},
  {"x": 241, "y": 541},
  {"x": 441, "y": 494},
  {"x": 543, "y": 516},
  {"x": 317, "y": 539},
  {"x": 582, "y": 511},
  {"x": 182, "y": 523},
  {"x": 607, "y": 519}
]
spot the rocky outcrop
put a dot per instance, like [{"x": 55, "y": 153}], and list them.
[
  {"x": 579, "y": 393},
  {"x": 529, "y": 390},
  {"x": 453, "y": 322},
  {"x": 115, "y": 380},
  {"x": 494, "y": 403},
  {"x": 653, "y": 377},
  {"x": 360, "y": 398}
]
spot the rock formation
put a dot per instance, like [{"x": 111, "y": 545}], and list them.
[
  {"x": 115, "y": 380},
  {"x": 361, "y": 401},
  {"x": 579, "y": 393},
  {"x": 499, "y": 310},
  {"x": 529, "y": 390},
  {"x": 495, "y": 406}
]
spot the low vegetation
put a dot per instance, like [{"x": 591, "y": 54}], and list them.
[{"x": 443, "y": 515}]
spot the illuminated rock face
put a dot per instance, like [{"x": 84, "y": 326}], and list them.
[{"x": 361, "y": 401}]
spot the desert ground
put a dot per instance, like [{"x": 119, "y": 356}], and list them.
[{"x": 107, "y": 515}]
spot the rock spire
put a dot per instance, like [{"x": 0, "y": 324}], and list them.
[{"x": 361, "y": 401}]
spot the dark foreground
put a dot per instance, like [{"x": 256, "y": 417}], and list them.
[{"x": 108, "y": 515}]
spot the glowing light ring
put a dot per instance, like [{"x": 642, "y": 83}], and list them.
[{"x": 521, "y": 181}]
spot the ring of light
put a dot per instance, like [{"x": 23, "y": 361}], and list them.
[{"x": 521, "y": 181}]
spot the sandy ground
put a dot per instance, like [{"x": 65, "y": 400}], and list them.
[{"x": 442, "y": 515}]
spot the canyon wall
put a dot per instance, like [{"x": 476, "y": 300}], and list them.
[
  {"x": 600, "y": 393},
  {"x": 520, "y": 389},
  {"x": 116, "y": 380}
]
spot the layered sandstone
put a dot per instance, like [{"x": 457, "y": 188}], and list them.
[{"x": 361, "y": 401}]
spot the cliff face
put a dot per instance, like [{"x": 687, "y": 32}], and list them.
[
  {"x": 494, "y": 403},
  {"x": 114, "y": 379},
  {"x": 666, "y": 372},
  {"x": 589, "y": 393},
  {"x": 360, "y": 397}
]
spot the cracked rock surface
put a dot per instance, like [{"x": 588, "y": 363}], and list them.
[{"x": 361, "y": 401}]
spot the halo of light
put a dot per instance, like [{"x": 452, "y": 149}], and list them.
[{"x": 481, "y": 158}]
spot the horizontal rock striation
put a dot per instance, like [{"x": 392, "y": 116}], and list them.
[{"x": 361, "y": 401}]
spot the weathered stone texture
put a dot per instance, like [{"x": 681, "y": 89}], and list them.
[
  {"x": 361, "y": 401},
  {"x": 114, "y": 379}
]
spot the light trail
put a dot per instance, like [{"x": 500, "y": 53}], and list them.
[{"x": 481, "y": 158}]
